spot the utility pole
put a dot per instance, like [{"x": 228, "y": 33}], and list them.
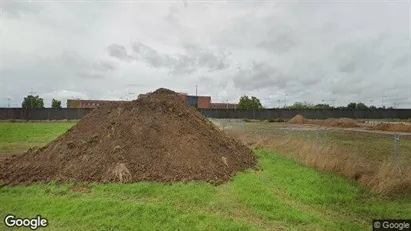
[
  {"x": 8, "y": 101},
  {"x": 196, "y": 90}
]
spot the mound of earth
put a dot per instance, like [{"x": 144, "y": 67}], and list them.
[
  {"x": 342, "y": 123},
  {"x": 156, "y": 138},
  {"x": 298, "y": 119},
  {"x": 397, "y": 127}
]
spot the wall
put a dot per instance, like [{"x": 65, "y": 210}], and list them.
[
  {"x": 43, "y": 114},
  {"x": 264, "y": 114},
  {"x": 223, "y": 105}
]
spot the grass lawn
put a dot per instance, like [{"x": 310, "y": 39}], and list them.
[
  {"x": 282, "y": 195},
  {"x": 18, "y": 137}
]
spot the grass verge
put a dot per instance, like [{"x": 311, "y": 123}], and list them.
[
  {"x": 283, "y": 195},
  {"x": 383, "y": 175}
]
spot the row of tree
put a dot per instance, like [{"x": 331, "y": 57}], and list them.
[
  {"x": 245, "y": 102},
  {"x": 32, "y": 101},
  {"x": 358, "y": 106},
  {"x": 253, "y": 102}
]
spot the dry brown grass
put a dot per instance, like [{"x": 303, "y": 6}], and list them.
[
  {"x": 382, "y": 177},
  {"x": 400, "y": 127},
  {"x": 342, "y": 123}
]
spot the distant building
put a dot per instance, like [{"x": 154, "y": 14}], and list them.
[
  {"x": 192, "y": 100},
  {"x": 202, "y": 102}
]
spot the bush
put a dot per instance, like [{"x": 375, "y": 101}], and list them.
[{"x": 276, "y": 120}]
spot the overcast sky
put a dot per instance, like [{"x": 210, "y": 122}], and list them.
[{"x": 312, "y": 51}]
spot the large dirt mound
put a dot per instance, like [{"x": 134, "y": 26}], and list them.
[
  {"x": 157, "y": 138},
  {"x": 298, "y": 119},
  {"x": 341, "y": 122},
  {"x": 397, "y": 127}
]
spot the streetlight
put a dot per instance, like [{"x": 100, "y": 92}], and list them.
[
  {"x": 269, "y": 101},
  {"x": 285, "y": 100},
  {"x": 382, "y": 99},
  {"x": 332, "y": 102}
]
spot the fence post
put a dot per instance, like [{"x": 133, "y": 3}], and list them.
[
  {"x": 396, "y": 151},
  {"x": 316, "y": 138}
]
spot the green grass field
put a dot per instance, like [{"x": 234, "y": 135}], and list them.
[
  {"x": 18, "y": 137},
  {"x": 282, "y": 195}
]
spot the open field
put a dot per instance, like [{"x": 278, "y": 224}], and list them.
[
  {"x": 17, "y": 137},
  {"x": 282, "y": 195},
  {"x": 374, "y": 145},
  {"x": 372, "y": 158}
]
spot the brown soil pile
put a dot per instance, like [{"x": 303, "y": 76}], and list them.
[
  {"x": 392, "y": 127},
  {"x": 298, "y": 119},
  {"x": 156, "y": 138},
  {"x": 342, "y": 123}
]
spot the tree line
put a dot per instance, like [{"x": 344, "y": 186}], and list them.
[
  {"x": 245, "y": 102},
  {"x": 32, "y": 101},
  {"x": 253, "y": 102}
]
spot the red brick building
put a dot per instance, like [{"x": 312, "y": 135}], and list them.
[{"x": 195, "y": 101}]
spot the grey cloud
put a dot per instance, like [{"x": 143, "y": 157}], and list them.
[
  {"x": 348, "y": 66},
  {"x": 259, "y": 76},
  {"x": 104, "y": 65},
  {"x": 345, "y": 51},
  {"x": 401, "y": 61},
  {"x": 82, "y": 67},
  {"x": 359, "y": 55},
  {"x": 16, "y": 9},
  {"x": 118, "y": 51},
  {"x": 280, "y": 39},
  {"x": 149, "y": 55},
  {"x": 194, "y": 58}
]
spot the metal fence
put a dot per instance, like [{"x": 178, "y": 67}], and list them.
[
  {"x": 43, "y": 114},
  {"x": 263, "y": 114},
  {"x": 369, "y": 145},
  {"x": 267, "y": 114}
]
